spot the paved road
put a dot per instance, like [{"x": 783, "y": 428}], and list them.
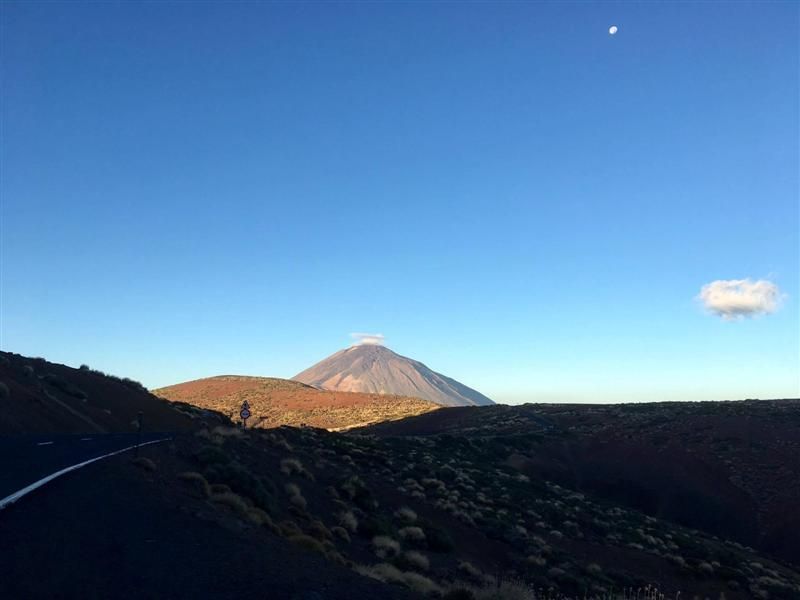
[{"x": 27, "y": 458}]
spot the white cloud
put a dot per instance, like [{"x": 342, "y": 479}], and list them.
[
  {"x": 375, "y": 339},
  {"x": 734, "y": 299}
]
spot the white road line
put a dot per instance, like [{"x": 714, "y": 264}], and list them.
[
  {"x": 8, "y": 500},
  {"x": 44, "y": 443},
  {"x": 86, "y": 439}
]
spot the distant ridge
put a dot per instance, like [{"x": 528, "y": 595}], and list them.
[{"x": 375, "y": 369}]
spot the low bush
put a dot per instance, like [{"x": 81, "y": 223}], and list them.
[
  {"x": 197, "y": 481},
  {"x": 289, "y": 528},
  {"x": 341, "y": 533},
  {"x": 318, "y": 530},
  {"x": 385, "y": 547},
  {"x": 413, "y": 534},
  {"x": 144, "y": 463},
  {"x": 244, "y": 482},
  {"x": 348, "y": 521},
  {"x": 414, "y": 560},
  {"x": 232, "y": 501},
  {"x": 405, "y": 514},
  {"x": 307, "y": 543},
  {"x": 4, "y": 391}
]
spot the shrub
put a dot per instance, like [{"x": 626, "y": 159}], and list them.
[
  {"x": 4, "y": 391},
  {"x": 289, "y": 528},
  {"x": 505, "y": 590},
  {"x": 414, "y": 534},
  {"x": 28, "y": 371},
  {"x": 197, "y": 481},
  {"x": 307, "y": 543},
  {"x": 372, "y": 526},
  {"x": 459, "y": 592},
  {"x": 421, "y": 584},
  {"x": 318, "y": 530},
  {"x": 298, "y": 502},
  {"x": 415, "y": 560},
  {"x": 292, "y": 466},
  {"x": 355, "y": 489},
  {"x": 219, "y": 488},
  {"x": 259, "y": 517},
  {"x": 593, "y": 568},
  {"x": 471, "y": 570},
  {"x": 385, "y": 547},
  {"x": 242, "y": 481},
  {"x": 144, "y": 463},
  {"x": 233, "y": 501},
  {"x": 348, "y": 521},
  {"x": 391, "y": 574},
  {"x": 341, "y": 532},
  {"x": 405, "y": 514},
  {"x": 224, "y": 431}
]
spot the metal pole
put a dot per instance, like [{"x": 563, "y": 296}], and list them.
[{"x": 138, "y": 433}]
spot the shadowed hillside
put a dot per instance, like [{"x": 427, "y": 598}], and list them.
[
  {"x": 37, "y": 396},
  {"x": 729, "y": 468}
]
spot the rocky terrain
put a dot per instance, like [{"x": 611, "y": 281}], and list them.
[
  {"x": 460, "y": 503},
  {"x": 274, "y": 402},
  {"x": 375, "y": 369}
]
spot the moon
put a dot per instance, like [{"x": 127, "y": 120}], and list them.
[{"x": 613, "y": 29}]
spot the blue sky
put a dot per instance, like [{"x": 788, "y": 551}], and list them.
[{"x": 504, "y": 190}]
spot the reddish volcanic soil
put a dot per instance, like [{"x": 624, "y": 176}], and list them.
[{"x": 275, "y": 402}]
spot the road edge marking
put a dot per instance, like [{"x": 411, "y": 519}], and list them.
[{"x": 9, "y": 500}]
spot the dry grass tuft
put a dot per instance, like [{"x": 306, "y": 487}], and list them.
[
  {"x": 416, "y": 560},
  {"x": 414, "y": 534},
  {"x": 307, "y": 543},
  {"x": 197, "y": 481},
  {"x": 385, "y": 547},
  {"x": 348, "y": 521},
  {"x": 406, "y": 515},
  {"x": 232, "y": 501},
  {"x": 341, "y": 533}
]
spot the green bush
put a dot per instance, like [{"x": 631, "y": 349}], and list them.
[{"x": 244, "y": 482}]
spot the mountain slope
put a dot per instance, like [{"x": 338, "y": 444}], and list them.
[
  {"x": 37, "y": 396},
  {"x": 275, "y": 402},
  {"x": 378, "y": 370}
]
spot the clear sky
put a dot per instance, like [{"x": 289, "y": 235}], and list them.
[{"x": 506, "y": 191}]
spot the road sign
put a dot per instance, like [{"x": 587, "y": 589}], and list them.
[{"x": 245, "y": 413}]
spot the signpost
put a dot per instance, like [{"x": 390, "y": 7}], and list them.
[{"x": 245, "y": 414}]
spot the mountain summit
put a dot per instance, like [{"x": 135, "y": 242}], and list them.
[{"x": 376, "y": 369}]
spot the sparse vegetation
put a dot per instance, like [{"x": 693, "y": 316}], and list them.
[{"x": 144, "y": 463}]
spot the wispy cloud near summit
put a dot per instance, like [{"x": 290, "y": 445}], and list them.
[
  {"x": 374, "y": 339},
  {"x": 734, "y": 299}
]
